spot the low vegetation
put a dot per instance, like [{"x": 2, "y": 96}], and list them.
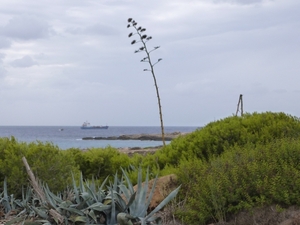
[{"x": 228, "y": 166}]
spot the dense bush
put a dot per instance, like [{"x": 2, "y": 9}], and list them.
[
  {"x": 241, "y": 178},
  {"x": 47, "y": 162},
  {"x": 219, "y": 135},
  {"x": 99, "y": 163}
]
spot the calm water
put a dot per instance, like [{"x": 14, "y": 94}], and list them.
[{"x": 71, "y": 136}]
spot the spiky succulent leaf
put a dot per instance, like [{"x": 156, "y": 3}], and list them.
[
  {"x": 85, "y": 196},
  {"x": 75, "y": 219},
  {"x": 5, "y": 198},
  {"x": 128, "y": 181},
  {"x": 15, "y": 220},
  {"x": 91, "y": 213},
  {"x": 76, "y": 192},
  {"x": 50, "y": 196},
  {"x": 72, "y": 210},
  {"x": 98, "y": 206},
  {"x": 81, "y": 183},
  {"x": 111, "y": 215},
  {"x": 40, "y": 212},
  {"x": 143, "y": 210}
]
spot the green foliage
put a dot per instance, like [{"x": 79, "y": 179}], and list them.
[
  {"x": 99, "y": 163},
  {"x": 216, "y": 137},
  {"x": 241, "y": 178},
  {"x": 46, "y": 161}
]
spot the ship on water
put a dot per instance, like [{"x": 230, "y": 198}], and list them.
[{"x": 87, "y": 125}]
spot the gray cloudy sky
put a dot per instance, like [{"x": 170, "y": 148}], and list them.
[{"x": 64, "y": 62}]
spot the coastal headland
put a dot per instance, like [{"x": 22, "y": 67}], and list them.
[{"x": 146, "y": 137}]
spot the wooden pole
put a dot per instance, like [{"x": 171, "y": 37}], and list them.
[{"x": 240, "y": 103}]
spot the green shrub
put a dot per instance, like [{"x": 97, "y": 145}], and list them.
[
  {"x": 99, "y": 163},
  {"x": 217, "y": 136},
  {"x": 241, "y": 178},
  {"x": 47, "y": 162}
]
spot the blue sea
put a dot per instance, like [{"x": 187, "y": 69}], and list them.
[{"x": 66, "y": 137}]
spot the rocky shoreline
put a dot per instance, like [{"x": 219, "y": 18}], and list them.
[{"x": 145, "y": 137}]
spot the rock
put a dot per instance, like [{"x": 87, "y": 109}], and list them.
[
  {"x": 146, "y": 137},
  {"x": 164, "y": 186}
]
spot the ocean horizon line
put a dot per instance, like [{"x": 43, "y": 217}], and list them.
[{"x": 103, "y": 125}]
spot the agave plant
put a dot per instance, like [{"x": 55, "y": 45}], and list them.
[
  {"x": 139, "y": 205},
  {"x": 86, "y": 203}
]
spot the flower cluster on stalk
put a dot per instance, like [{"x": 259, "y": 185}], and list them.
[{"x": 143, "y": 38}]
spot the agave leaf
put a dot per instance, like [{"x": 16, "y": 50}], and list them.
[
  {"x": 115, "y": 185},
  {"x": 103, "y": 183},
  {"x": 121, "y": 203},
  {"x": 129, "y": 183},
  {"x": 65, "y": 204},
  {"x": 49, "y": 199},
  {"x": 142, "y": 195},
  {"x": 75, "y": 189},
  {"x": 113, "y": 209},
  {"x": 78, "y": 219},
  {"x": 57, "y": 199},
  {"x": 164, "y": 202},
  {"x": 15, "y": 220},
  {"x": 41, "y": 213},
  {"x": 147, "y": 203},
  {"x": 98, "y": 206},
  {"x": 131, "y": 200},
  {"x": 26, "y": 197},
  {"x": 91, "y": 191},
  {"x": 5, "y": 200},
  {"x": 72, "y": 210},
  {"x": 125, "y": 191},
  {"x": 81, "y": 183},
  {"x": 92, "y": 215},
  {"x": 85, "y": 195}
]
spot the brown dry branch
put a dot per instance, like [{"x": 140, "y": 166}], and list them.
[
  {"x": 33, "y": 181},
  {"x": 54, "y": 214}
]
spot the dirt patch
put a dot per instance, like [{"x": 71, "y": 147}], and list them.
[{"x": 138, "y": 150}]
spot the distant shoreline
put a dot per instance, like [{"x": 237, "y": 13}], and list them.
[{"x": 146, "y": 137}]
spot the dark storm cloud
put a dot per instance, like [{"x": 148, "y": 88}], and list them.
[{"x": 26, "y": 27}]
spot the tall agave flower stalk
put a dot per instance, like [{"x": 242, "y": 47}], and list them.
[{"x": 143, "y": 39}]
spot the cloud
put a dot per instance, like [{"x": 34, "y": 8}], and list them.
[
  {"x": 26, "y": 27},
  {"x": 4, "y": 42},
  {"x": 242, "y": 2},
  {"x": 96, "y": 29},
  {"x": 2, "y": 69},
  {"x": 26, "y": 61}
]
